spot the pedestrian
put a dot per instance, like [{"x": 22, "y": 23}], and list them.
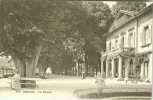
[
  {"x": 100, "y": 82},
  {"x": 16, "y": 81},
  {"x": 95, "y": 74},
  {"x": 83, "y": 75},
  {"x": 126, "y": 77},
  {"x": 110, "y": 74}
]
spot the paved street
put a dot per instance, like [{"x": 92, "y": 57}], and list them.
[{"x": 60, "y": 86}]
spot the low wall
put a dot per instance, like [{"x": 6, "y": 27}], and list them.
[{"x": 109, "y": 90}]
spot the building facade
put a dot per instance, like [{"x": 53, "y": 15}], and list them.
[{"x": 129, "y": 45}]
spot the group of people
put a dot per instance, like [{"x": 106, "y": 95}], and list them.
[{"x": 15, "y": 84}]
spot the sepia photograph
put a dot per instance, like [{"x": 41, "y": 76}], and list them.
[{"x": 56, "y": 49}]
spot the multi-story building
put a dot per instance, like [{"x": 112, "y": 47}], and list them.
[{"x": 129, "y": 45}]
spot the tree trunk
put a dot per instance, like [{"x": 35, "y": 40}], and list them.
[
  {"x": 91, "y": 71},
  {"x": 78, "y": 69},
  {"x": 75, "y": 70},
  {"x": 20, "y": 65},
  {"x": 86, "y": 64},
  {"x": 53, "y": 69},
  {"x": 86, "y": 57},
  {"x": 37, "y": 53},
  {"x": 30, "y": 71},
  {"x": 66, "y": 71},
  {"x": 27, "y": 67},
  {"x": 58, "y": 70},
  {"x": 41, "y": 69}
]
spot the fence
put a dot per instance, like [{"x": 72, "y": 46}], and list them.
[{"x": 128, "y": 89}]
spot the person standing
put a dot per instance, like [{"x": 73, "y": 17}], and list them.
[
  {"x": 110, "y": 74},
  {"x": 126, "y": 77},
  {"x": 100, "y": 82},
  {"x": 83, "y": 75},
  {"x": 16, "y": 81}
]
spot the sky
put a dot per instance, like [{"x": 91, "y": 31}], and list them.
[{"x": 111, "y": 3}]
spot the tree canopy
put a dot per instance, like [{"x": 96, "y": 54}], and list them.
[{"x": 129, "y": 6}]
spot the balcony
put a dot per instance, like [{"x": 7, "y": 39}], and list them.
[{"x": 123, "y": 51}]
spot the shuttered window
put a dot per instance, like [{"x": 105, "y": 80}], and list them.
[
  {"x": 116, "y": 43},
  {"x": 150, "y": 34},
  {"x": 130, "y": 40},
  {"x": 123, "y": 41},
  {"x": 141, "y": 39},
  {"x": 110, "y": 45},
  {"x": 146, "y": 35}
]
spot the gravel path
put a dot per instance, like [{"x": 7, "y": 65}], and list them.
[{"x": 58, "y": 86}]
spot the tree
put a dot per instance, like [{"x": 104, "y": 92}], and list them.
[
  {"x": 129, "y": 6},
  {"x": 87, "y": 22},
  {"x": 24, "y": 27},
  {"x": 97, "y": 24}
]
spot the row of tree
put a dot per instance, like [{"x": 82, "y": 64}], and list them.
[{"x": 42, "y": 33}]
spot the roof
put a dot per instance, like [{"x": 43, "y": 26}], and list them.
[{"x": 131, "y": 13}]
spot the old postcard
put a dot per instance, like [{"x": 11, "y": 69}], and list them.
[{"x": 76, "y": 49}]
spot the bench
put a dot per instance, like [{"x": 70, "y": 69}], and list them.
[{"x": 26, "y": 79}]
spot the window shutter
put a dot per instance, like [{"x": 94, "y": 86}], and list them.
[
  {"x": 106, "y": 46},
  {"x": 149, "y": 35},
  {"x": 129, "y": 40},
  {"x": 113, "y": 43},
  {"x": 133, "y": 42},
  {"x": 143, "y": 37},
  {"x": 140, "y": 39}
]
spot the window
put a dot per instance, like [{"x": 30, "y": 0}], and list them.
[
  {"x": 146, "y": 35},
  {"x": 110, "y": 45},
  {"x": 130, "y": 40},
  {"x": 122, "y": 41},
  {"x": 116, "y": 43},
  {"x": 131, "y": 37}
]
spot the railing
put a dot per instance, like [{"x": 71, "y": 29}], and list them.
[
  {"x": 109, "y": 52},
  {"x": 119, "y": 50}
]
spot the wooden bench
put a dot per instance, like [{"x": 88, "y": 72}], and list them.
[{"x": 26, "y": 79}]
